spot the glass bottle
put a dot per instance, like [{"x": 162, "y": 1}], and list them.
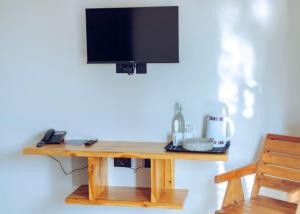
[{"x": 178, "y": 126}]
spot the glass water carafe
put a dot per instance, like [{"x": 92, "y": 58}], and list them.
[{"x": 178, "y": 126}]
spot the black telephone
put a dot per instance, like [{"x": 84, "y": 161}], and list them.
[{"x": 52, "y": 137}]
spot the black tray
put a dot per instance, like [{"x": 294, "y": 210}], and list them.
[{"x": 219, "y": 150}]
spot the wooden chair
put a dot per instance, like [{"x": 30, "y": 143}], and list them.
[{"x": 278, "y": 168}]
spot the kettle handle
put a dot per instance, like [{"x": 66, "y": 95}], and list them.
[{"x": 231, "y": 126}]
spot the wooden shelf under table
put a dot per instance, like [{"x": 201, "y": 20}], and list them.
[{"x": 129, "y": 196}]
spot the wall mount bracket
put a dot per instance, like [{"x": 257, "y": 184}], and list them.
[{"x": 130, "y": 68}]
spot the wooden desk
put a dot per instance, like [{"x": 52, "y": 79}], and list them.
[{"x": 161, "y": 193}]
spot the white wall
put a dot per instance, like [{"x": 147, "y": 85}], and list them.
[{"x": 244, "y": 52}]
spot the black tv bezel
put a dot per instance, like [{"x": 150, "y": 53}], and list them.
[{"x": 135, "y": 62}]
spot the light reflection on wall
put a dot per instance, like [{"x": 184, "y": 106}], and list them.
[
  {"x": 261, "y": 10},
  {"x": 236, "y": 65},
  {"x": 249, "y": 98},
  {"x": 248, "y": 182},
  {"x": 235, "y": 68},
  {"x": 222, "y": 186}
]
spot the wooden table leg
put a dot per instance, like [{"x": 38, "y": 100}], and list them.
[
  {"x": 97, "y": 172},
  {"x": 162, "y": 177}
]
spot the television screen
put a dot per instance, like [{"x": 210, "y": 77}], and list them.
[{"x": 140, "y": 35}]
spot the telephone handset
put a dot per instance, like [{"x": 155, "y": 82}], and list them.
[{"x": 52, "y": 137}]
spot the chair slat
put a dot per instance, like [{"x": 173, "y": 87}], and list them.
[
  {"x": 260, "y": 205},
  {"x": 289, "y": 161},
  {"x": 283, "y": 138},
  {"x": 274, "y": 204},
  {"x": 278, "y": 184},
  {"x": 284, "y": 147},
  {"x": 280, "y": 172}
]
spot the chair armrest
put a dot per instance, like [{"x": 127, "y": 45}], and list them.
[
  {"x": 294, "y": 196},
  {"x": 238, "y": 173}
]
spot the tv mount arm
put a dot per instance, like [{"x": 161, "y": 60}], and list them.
[{"x": 130, "y": 68}]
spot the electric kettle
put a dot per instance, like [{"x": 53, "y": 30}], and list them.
[{"x": 220, "y": 129}]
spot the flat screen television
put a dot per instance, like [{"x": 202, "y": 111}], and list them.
[{"x": 132, "y": 35}]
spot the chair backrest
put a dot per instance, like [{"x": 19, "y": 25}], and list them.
[{"x": 279, "y": 165}]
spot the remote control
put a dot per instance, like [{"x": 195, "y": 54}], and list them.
[{"x": 90, "y": 142}]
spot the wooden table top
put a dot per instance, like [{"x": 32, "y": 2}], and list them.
[{"x": 121, "y": 149}]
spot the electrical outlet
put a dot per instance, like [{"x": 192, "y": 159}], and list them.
[
  {"x": 122, "y": 162},
  {"x": 147, "y": 163}
]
